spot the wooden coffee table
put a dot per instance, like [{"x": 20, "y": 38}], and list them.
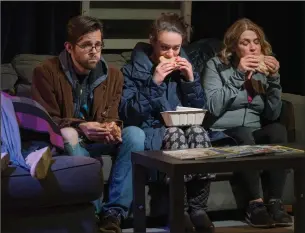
[{"x": 176, "y": 169}]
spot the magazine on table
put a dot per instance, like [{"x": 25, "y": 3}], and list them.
[
  {"x": 197, "y": 153},
  {"x": 229, "y": 152}
]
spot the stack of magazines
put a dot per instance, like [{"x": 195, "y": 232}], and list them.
[{"x": 230, "y": 152}]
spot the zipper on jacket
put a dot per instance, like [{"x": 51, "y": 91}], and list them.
[
  {"x": 78, "y": 93},
  {"x": 248, "y": 104},
  {"x": 245, "y": 114}
]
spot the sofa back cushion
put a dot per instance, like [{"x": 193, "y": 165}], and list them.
[
  {"x": 201, "y": 51},
  {"x": 8, "y": 77},
  {"x": 24, "y": 65},
  {"x": 116, "y": 60}
]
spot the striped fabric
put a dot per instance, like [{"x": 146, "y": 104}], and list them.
[{"x": 32, "y": 116}]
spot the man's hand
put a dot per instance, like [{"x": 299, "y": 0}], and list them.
[
  {"x": 186, "y": 68},
  {"x": 162, "y": 70},
  {"x": 94, "y": 131},
  {"x": 115, "y": 132},
  {"x": 272, "y": 64},
  {"x": 248, "y": 63}
]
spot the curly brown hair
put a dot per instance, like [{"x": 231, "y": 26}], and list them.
[{"x": 232, "y": 35}]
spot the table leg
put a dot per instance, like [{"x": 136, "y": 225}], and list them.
[
  {"x": 139, "y": 180},
  {"x": 299, "y": 212},
  {"x": 176, "y": 203}
]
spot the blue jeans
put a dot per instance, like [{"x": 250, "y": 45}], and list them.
[{"x": 120, "y": 183}]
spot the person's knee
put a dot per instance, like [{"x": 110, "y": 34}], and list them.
[
  {"x": 195, "y": 129},
  {"x": 172, "y": 133},
  {"x": 70, "y": 135},
  {"x": 243, "y": 135},
  {"x": 173, "y": 130},
  {"x": 134, "y": 136},
  {"x": 197, "y": 137}
]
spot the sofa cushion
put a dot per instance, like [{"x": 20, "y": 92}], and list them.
[
  {"x": 23, "y": 89},
  {"x": 24, "y": 65},
  {"x": 8, "y": 77},
  {"x": 73, "y": 180},
  {"x": 298, "y": 103},
  {"x": 127, "y": 55},
  {"x": 201, "y": 51},
  {"x": 107, "y": 165},
  {"x": 59, "y": 219},
  {"x": 115, "y": 60}
]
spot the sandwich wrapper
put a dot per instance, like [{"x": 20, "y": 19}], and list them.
[{"x": 184, "y": 116}]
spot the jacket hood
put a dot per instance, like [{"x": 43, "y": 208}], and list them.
[{"x": 100, "y": 72}]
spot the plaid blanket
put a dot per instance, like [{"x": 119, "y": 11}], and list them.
[{"x": 32, "y": 116}]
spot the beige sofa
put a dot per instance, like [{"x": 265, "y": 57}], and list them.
[{"x": 18, "y": 75}]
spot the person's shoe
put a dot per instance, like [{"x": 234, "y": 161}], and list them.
[
  {"x": 39, "y": 162},
  {"x": 5, "y": 160},
  {"x": 257, "y": 216},
  {"x": 110, "y": 223},
  {"x": 202, "y": 222},
  {"x": 278, "y": 213}
]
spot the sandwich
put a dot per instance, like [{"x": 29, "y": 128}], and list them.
[
  {"x": 169, "y": 60},
  {"x": 113, "y": 128},
  {"x": 262, "y": 68},
  {"x": 116, "y": 132}
]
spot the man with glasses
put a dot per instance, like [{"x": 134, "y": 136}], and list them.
[{"x": 82, "y": 93}]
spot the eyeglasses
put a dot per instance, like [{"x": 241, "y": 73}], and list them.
[{"x": 88, "y": 47}]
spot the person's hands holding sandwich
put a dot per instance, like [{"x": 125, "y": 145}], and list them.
[{"x": 168, "y": 65}]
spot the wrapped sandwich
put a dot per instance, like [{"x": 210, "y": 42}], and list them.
[
  {"x": 113, "y": 128},
  {"x": 262, "y": 68},
  {"x": 168, "y": 60}
]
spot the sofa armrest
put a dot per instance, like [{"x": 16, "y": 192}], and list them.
[
  {"x": 72, "y": 180},
  {"x": 287, "y": 118}
]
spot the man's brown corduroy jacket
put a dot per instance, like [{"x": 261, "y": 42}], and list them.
[{"x": 53, "y": 90}]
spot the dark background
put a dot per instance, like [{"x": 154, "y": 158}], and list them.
[{"x": 40, "y": 28}]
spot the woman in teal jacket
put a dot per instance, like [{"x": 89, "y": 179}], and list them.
[{"x": 242, "y": 86}]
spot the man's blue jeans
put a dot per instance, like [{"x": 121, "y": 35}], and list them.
[{"x": 120, "y": 183}]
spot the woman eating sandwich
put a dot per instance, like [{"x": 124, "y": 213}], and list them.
[
  {"x": 242, "y": 86},
  {"x": 159, "y": 78}
]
